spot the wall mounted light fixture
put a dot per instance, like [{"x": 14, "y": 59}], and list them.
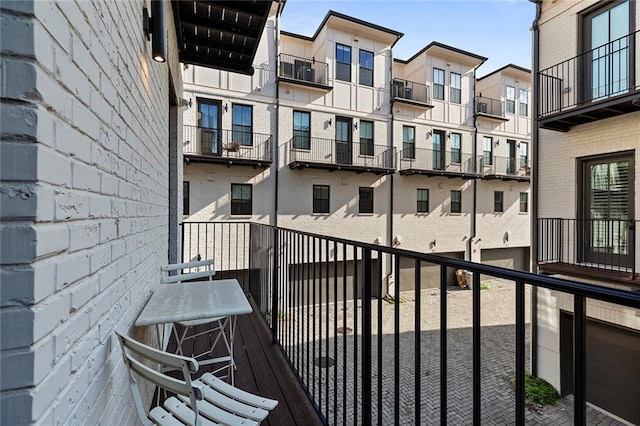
[
  {"x": 433, "y": 243},
  {"x": 226, "y": 107},
  {"x": 497, "y": 142},
  {"x": 429, "y": 133},
  {"x": 154, "y": 26},
  {"x": 329, "y": 121},
  {"x": 355, "y": 125},
  {"x": 448, "y": 135}
]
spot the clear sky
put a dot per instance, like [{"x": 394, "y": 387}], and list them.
[{"x": 496, "y": 29}]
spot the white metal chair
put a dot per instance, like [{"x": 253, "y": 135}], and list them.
[
  {"x": 216, "y": 326},
  {"x": 205, "y": 401}
]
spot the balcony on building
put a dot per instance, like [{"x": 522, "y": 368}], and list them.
[
  {"x": 597, "y": 84},
  {"x": 429, "y": 162},
  {"x": 490, "y": 109},
  {"x": 307, "y": 72},
  {"x": 237, "y": 147},
  {"x": 411, "y": 93},
  {"x": 597, "y": 248},
  {"x": 330, "y": 154},
  {"x": 505, "y": 168}
]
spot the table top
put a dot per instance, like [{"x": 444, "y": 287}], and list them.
[{"x": 193, "y": 301}]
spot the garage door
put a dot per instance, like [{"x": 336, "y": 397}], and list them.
[
  {"x": 512, "y": 258},
  {"x": 429, "y": 274},
  {"x": 613, "y": 366}
]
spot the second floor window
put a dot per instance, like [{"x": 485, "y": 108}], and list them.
[
  {"x": 242, "y": 126},
  {"x": 241, "y": 199},
  {"x": 185, "y": 197},
  {"x": 510, "y": 105},
  {"x": 343, "y": 62},
  {"x": 456, "y": 156},
  {"x": 408, "y": 142},
  {"x": 366, "y": 68},
  {"x": 438, "y": 83},
  {"x": 422, "y": 201},
  {"x": 456, "y": 201},
  {"x": 365, "y": 200},
  {"x": 301, "y": 130},
  {"x": 498, "y": 201},
  {"x": 524, "y": 103},
  {"x": 366, "y": 137},
  {"x": 455, "y": 94},
  {"x": 487, "y": 150},
  {"x": 524, "y": 202},
  {"x": 524, "y": 154},
  {"x": 321, "y": 198}
]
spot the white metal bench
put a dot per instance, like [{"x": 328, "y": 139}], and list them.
[{"x": 205, "y": 401}]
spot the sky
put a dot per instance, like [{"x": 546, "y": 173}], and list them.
[{"x": 496, "y": 29}]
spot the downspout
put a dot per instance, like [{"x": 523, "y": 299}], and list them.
[
  {"x": 534, "y": 184},
  {"x": 391, "y": 180},
  {"x": 276, "y": 147},
  {"x": 474, "y": 154}
]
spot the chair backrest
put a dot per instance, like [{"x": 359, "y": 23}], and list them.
[
  {"x": 134, "y": 353},
  {"x": 201, "y": 269}
]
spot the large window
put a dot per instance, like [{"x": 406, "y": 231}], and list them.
[
  {"x": 438, "y": 139},
  {"x": 343, "y": 62},
  {"x": 185, "y": 197},
  {"x": 438, "y": 83},
  {"x": 498, "y": 201},
  {"x": 455, "y": 94},
  {"x": 301, "y": 130},
  {"x": 511, "y": 100},
  {"x": 242, "y": 125},
  {"x": 487, "y": 150},
  {"x": 366, "y": 68},
  {"x": 524, "y": 154},
  {"x": 366, "y": 137},
  {"x": 456, "y": 156},
  {"x": 422, "y": 201},
  {"x": 321, "y": 198},
  {"x": 456, "y": 201},
  {"x": 524, "y": 202},
  {"x": 408, "y": 142},
  {"x": 241, "y": 199},
  {"x": 524, "y": 102},
  {"x": 365, "y": 200}
]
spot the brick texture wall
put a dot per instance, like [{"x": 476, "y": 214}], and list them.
[{"x": 84, "y": 196}]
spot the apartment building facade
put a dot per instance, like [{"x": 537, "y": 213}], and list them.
[
  {"x": 365, "y": 146},
  {"x": 587, "y": 66}
]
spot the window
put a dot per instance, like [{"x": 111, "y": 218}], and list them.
[
  {"x": 408, "y": 142},
  {"x": 301, "y": 130},
  {"x": 423, "y": 201},
  {"x": 511, "y": 100},
  {"x": 241, "y": 198},
  {"x": 498, "y": 201},
  {"x": 524, "y": 103},
  {"x": 487, "y": 150},
  {"x": 185, "y": 197},
  {"x": 366, "y": 137},
  {"x": 456, "y": 156},
  {"x": 321, "y": 198},
  {"x": 456, "y": 201},
  {"x": 242, "y": 124},
  {"x": 524, "y": 154},
  {"x": 455, "y": 94},
  {"x": 366, "y": 68},
  {"x": 438, "y": 139},
  {"x": 524, "y": 202},
  {"x": 209, "y": 119},
  {"x": 343, "y": 62},
  {"x": 365, "y": 200},
  {"x": 438, "y": 83}
]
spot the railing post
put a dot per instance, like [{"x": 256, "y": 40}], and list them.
[
  {"x": 520, "y": 353},
  {"x": 274, "y": 285},
  {"x": 476, "y": 348},
  {"x": 579, "y": 360},
  {"x": 366, "y": 337}
]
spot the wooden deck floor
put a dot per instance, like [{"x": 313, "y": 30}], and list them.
[{"x": 263, "y": 370}]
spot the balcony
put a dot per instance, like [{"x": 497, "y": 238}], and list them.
[
  {"x": 598, "y": 84},
  {"x": 490, "y": 109},
  {"x": 230, "y": 147},
  {"x": 411, "y": 93},
  {"x": 403, "y": 359},
  {"x": 330, "y": 154},
  {"x": 420, "y": 161},
  {"x": 505, "y": 168},
  {"x": 303, "y": 72},
  {"x": 589, "y": 247}
]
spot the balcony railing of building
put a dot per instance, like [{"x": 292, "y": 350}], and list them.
[
  {"x": 438, "y": 163},
  {"x": 599, "y": 83},
  {"x": 589, "y": 246},
  {"x": 238, "y": 146},
  {"x": 490, "y": 108},
  {"x": 365, "y": 359},
  {"x": 505, "y": 168},
  {"x": 305, "y": 71},
  {"x": 331, "y": 154},
  {"x": 411, "y": 92}
]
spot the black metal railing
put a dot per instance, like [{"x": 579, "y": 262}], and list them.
[
  {"x": 488, "y": 106},
  {"x": 236, "y": 143},
  {"x": 507, "y": 166},
  {"x": 365, "y": 359},
  {"x": 303, "y": 69},
  {"x": 608, "y": 245},
  {"x": 411, "y": 91},
  {"x": 434, "y": 160},
  {"x": 598, "y": 74},
  {"x": 331, "y": 151}
]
